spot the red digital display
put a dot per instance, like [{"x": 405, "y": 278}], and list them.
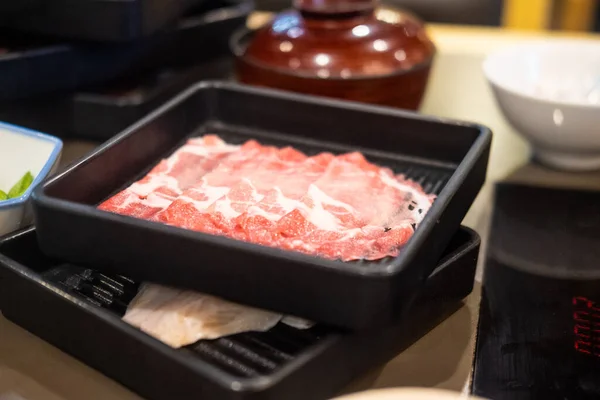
[{"x": 586, "y": 326}]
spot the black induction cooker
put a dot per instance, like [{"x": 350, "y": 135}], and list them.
[{"x": 539, "y": 327}]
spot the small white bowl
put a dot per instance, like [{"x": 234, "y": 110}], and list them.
[
  {"x": 23, "y": 150},
  {"x": 407, "y": 393},
  {"x": 550, "y": 92}
]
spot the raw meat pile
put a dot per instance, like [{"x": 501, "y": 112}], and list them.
[{"x": 339, "y": 207}]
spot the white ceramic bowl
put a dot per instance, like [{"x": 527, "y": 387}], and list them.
[
  {"x": 407, "y": 394},
  {"x": 550, "y": 92},
  {"x": 23, "y": 150}
]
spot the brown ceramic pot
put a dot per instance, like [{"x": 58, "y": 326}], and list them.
[{"x": 346, "y": 49}]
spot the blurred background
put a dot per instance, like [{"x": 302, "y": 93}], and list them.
[
  {"x": 582, "y": 15},
  {"x": 88, "y": 69}
]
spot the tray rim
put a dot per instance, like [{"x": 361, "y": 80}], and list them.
[
  {"x": 205, "y": 369},
  {"x": 376, "y": 271}
]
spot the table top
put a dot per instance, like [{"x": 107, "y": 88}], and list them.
[{"x": 31, "y": 369}]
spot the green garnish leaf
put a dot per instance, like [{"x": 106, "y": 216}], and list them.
[
  {"x": 20, "y": 187},
  {"x": 3, "y": 196}
]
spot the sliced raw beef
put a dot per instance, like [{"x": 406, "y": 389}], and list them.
[
  {"x": 241, "y": 197},
  {"x": 166, "y": 181},
  {"x": 355, "y": 210},
  {"x": 129, "y": 203},
  {"x": 359, "y": 193},
  {"x": 340, "y": 207},
  {"x": 258, "y": 223}
]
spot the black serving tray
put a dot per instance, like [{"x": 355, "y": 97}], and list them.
[
  {"x": 101, "y": 114},
  {"x": 34, "y": 66},
  {"x": 30, "y": 65},
  {"x": 447, "y": 158},
  {"x": 97, "y": 20},
  {"x": 78, "y": 310},
  {"x": 50, "y": 114}
]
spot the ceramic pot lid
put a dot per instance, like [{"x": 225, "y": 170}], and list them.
[{"x": 341, "y": 39}]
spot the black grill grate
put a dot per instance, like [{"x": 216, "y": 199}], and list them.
[
  {"x": 244, "y": 355},
  {"x": 432, "y": 180}
]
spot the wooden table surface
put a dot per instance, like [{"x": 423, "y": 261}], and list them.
[{"x": 33, "y": 370}]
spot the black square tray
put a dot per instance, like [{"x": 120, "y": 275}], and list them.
[
  {"x": 99, "y": 20},
  {"x": 33, "y": 66},
  {"x": 102, "y": 113},
  {"x": 79, "y": 310},
  {"x": 447, "y": 158}
]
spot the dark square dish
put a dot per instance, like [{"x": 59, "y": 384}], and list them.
[
  {"x": 31, "y": 65},
  {"x": 100, "y": 114},
  {"x": 448, "y": 158},
  {"x": 99, "y": 20},
  {"x": 39, "y": 294}
]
